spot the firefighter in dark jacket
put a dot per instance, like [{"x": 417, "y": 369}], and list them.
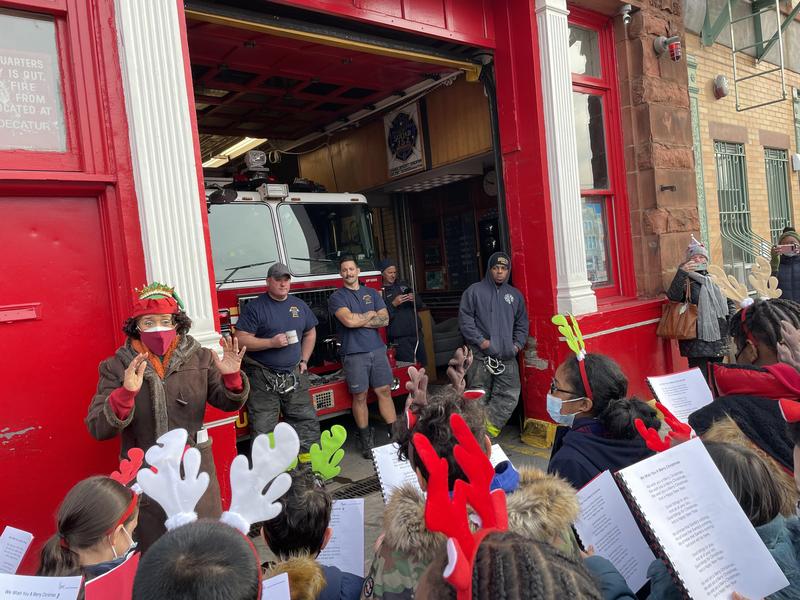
[
  {"x": 494, "y": 322},
  {"x": 404, "y": 329}
]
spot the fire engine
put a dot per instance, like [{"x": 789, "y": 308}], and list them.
[{"x": 254, "y": 223}]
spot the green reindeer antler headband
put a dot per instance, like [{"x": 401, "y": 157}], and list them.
[{"x": 574, "y": 338}]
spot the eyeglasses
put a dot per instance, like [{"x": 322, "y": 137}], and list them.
[{"x": 554, "y": 388}]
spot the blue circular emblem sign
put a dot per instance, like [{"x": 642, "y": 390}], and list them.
[{"x": 402, "y": 137}]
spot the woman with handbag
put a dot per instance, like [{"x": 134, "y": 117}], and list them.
[{"x": 693, "y": 290}]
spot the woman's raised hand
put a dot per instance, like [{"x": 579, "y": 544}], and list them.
[
  {"x": 231, "y": 360},
  {"x": 134, "y": 374}
]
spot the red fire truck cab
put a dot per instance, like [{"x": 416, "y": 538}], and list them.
[{"x": 309, "y": 232}]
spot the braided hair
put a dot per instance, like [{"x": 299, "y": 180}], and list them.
[
  {"x": 509, "y": 566},
  {"x": 761, "y": 322}
]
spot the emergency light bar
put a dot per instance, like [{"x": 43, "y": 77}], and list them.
[{"x": 273, "y": 190}]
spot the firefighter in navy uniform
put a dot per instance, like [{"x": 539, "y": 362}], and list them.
[
  {"x": 279, "y": 331},
  {"x": 404, "y": 329}
]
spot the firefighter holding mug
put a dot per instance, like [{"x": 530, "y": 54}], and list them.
[{"x": 279, "y": 331}]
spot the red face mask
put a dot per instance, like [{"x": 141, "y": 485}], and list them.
[{"x": 158, "y": 339}]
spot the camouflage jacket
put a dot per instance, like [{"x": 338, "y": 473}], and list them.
[{"x": 543, "y": 508}]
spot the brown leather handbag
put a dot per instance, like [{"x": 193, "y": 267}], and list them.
[{"x": 679, "y": 319}]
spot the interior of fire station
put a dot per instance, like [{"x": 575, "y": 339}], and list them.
[{"x": 408, "y": 125}]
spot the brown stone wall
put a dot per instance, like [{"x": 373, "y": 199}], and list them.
[{"x": 657, "y": 135}]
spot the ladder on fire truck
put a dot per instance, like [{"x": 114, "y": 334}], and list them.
[{"x": 761, "y": 47}]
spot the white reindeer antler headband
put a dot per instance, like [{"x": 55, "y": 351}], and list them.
[{"x": 250, "y": 503}]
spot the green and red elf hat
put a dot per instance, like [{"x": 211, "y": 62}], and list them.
[{"x": 156, "y": 299}]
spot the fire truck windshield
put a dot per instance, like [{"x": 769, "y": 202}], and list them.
[
  {"x": 243, "y": 242},
  {"x": 315, "y": 236}
]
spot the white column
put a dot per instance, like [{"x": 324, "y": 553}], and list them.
[
  {"x": 574, "y": 292},
  {"x": 162, "y": 151}
]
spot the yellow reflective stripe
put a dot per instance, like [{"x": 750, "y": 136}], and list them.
[{"x": 491, "y": 429}]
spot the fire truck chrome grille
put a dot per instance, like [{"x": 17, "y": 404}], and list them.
[{"x": 323, "y": 400}]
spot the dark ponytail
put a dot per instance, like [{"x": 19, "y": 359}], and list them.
[
  {"x": 88, "y": 512},
  {"x": 610, "y": 404}
]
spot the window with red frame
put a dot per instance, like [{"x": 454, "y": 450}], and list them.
[{"x": 596, "y": 109}]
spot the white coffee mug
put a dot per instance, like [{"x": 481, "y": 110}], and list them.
[{"x": 291, "y": 336}]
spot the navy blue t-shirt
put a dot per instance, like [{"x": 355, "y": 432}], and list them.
[
  {"x": 362, "y": 300},
  {"x": 266, "y": 318}
]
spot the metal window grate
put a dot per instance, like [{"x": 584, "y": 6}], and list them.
[
  {"x": 740, "y": 245},
  {"x": 780, "y": 213}
]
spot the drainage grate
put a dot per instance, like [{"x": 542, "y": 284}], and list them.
[{"x": 358, "y": 489}]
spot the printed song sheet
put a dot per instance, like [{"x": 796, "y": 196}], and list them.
[
  {"x": 276, "y": 588},
  {"x": 606, "y": 523},
  {"x": 682, "y": 393},
  {"x": 393, "y": 472},
  {"x": 345, "y": 549},
  {"x": 14, "y": 543},
  {"x": 700, "y": 526},
  {"x": 52, "y": 588}
]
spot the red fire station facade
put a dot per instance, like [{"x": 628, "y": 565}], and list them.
[{"x": 101, "y": 190}]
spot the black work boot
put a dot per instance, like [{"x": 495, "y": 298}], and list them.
[{"x": 365, "y": 441}]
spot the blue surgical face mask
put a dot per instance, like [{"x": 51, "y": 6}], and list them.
[{"x": 554, "y": 405}]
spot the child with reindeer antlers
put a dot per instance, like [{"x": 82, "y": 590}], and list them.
[
  {"x": 491, "y": 562},
  {"x": 741, "y": 411},
  {"x": 588, "y": 398},
  {"x": 95, "y": 525},
  {"x": 540, "y": 506},
  {"x": 205, "y": 560}
]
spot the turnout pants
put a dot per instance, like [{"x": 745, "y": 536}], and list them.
[
  {"x": 502, "y": 391},
  {"x": 405, "y": 348},
  {"x": 266, "y": 405}
]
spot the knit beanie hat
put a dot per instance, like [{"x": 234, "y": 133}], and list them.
[
  {"x": 696, "y": 248},
  {"x": 385, "y": 264},
  {"x": 790, "y": 232},
  {"x": 500, "y": 258}
]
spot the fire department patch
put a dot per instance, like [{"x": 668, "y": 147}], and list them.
[
  {"x": 295, "y": 311},
  {"x": 367, "y": 299}
]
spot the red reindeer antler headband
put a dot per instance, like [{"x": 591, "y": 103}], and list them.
[
  {"x": 449, "y": 515},
  {"x": 680, "y": 432}
]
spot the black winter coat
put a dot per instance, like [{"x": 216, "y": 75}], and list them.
[
  {"x": 789, "y": 277},
  {"x": 698, "y": 348}
]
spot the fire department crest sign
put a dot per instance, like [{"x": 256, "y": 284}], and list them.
[{"x": 404, "y": 141}]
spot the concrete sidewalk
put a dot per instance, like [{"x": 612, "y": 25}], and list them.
[{"x": 359, "y": 474}]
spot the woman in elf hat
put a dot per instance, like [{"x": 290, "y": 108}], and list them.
[
  {"x": 711, "y": 343},
  {"x": 159, "y": 380}
]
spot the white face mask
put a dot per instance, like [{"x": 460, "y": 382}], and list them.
[
  {"x": 554, "y": 405},
  {"x": 130, "y": 549}
]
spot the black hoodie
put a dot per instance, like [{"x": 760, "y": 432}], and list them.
[{"x": 493, "y": 312}]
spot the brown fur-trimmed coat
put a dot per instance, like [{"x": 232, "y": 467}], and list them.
[
  {"x": 178, "y": 401},
  {"x": 543, "y": 508}
]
